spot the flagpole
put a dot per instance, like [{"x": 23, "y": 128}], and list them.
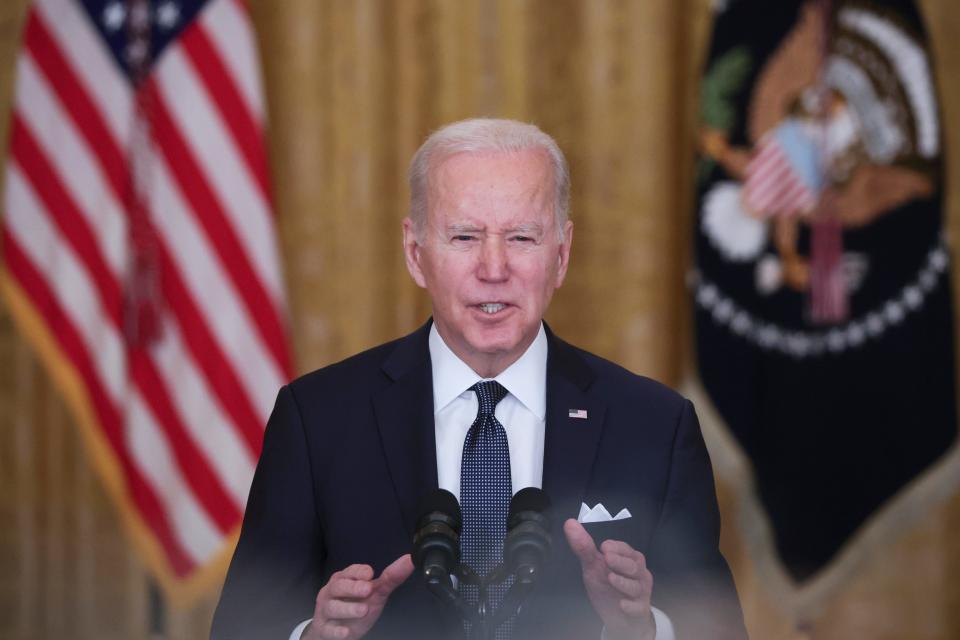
[{"x": 156, "y": 611}]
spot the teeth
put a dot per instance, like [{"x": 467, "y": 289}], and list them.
[{"x": 492, "y": 307}]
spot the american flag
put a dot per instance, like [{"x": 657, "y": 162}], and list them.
[
  {"x": 784, "y": 176},
  {"x": 140, "y": 258}
]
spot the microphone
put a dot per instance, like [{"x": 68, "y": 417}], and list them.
[
  {"x": 436, "y": 555},
  {"x": 525, "y": 550},
  {"x": 436, "y": 543},
  {"x": 528, "y": 540}
]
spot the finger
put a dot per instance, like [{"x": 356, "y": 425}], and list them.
[
  {"x": 344, "y": 610},
  {"x": 580, "y": 541},
  {"x": 356, "y": 572},
  {"x": 635, "y": 608},
  {"x": 333, "y": 631},
  {"x": 624, "y": 565},
  {"x": 395, "y": 574},
  {"x": 345, "y": 588},
  {"x": 627, "y": 586},
  {"x": 619, "y": 547}
]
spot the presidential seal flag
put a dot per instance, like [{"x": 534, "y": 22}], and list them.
[
  {"x": 140, "y": 258},
  {"x": 824, "y": 331}
]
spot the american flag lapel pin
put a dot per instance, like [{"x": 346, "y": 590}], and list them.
[{"x": 580, "y": 414}]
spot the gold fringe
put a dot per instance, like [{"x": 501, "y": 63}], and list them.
[
  {"x": 181, "y": 592},
  {"x": 804, "y": 604}
]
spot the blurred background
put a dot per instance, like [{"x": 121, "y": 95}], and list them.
[{"x": 351, "y": 89}]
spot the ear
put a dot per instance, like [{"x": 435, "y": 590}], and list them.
[
  {"x": 564, "y": 251},
  {"x": 411, "y": 252}
]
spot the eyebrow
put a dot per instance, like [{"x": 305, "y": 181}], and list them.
[
  {"x": 526, "y": 228},
  {"x": 463, "y": 227}
]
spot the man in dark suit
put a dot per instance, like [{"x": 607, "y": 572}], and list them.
[{"x": 482, "y": 401}]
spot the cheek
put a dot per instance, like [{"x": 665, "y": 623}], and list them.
[
  {"x": 446, "y": 284},
  {"x": 453, "y": 272},
  {"x": 542, "y": 276}
]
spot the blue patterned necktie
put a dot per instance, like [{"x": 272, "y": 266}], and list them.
[{"x": 485, "y": 492}]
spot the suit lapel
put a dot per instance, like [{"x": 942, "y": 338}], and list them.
[
  {"x": 570, "y": 443},
  {"x": 569, "y": 450},
  {"x": 404, "y": 412}
]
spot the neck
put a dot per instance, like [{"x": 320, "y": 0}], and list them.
[{"x": 486, "y": 365}]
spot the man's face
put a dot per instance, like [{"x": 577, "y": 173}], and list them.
[{"x": 491, "y": 255}]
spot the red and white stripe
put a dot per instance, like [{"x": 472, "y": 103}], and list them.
[
  {"x": 183, "y": 417},
  {"x": 771, "y": 186},
  {"x": 829, "y": 298}
]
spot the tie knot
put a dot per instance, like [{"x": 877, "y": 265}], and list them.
[{"x": 489, "y": 394}]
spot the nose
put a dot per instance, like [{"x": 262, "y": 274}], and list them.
[{"x": 493, "y": 265}]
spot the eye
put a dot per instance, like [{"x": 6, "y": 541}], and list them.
[
  {"x": 523, "y": 239},
  {"x": 463, "y": 237}
]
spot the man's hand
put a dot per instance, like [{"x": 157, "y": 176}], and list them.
[
  {"x": 351, "y": 602},
  {"x": 618, "y": 584}
]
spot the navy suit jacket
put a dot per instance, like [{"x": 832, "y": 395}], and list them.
[{"x": 349, "y": 451}]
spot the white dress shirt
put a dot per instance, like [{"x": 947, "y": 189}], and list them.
[{"x": 522, "y": 412}]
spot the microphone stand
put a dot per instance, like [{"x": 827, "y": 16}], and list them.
[
  {"x": 483, "y": 621},
  {"x": 526, "y": 545}
]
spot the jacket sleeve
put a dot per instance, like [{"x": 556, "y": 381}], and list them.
[
  {"x": 278, "y": 564},
  {"x": 691, "y": 580}
]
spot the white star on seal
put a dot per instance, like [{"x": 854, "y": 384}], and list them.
[
  {"x": 113, "y": 15},
  {"x": 168, "y": 14}
]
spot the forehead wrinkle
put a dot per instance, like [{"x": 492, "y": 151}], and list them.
[
  {"x": 543, "y": 186},
  {"x": 477, "y": 201}
]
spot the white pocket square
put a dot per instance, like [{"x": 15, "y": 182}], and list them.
[{"x": 599, "y": 513}]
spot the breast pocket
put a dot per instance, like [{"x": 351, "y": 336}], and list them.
[{"x": 622, "y": 530}]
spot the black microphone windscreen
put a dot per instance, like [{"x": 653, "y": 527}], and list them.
[
  {"x": 529, "y": 499},
  {"x": 440, "y": 501}
]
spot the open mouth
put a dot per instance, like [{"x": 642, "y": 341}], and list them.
[{"x": 492, "y": 308}]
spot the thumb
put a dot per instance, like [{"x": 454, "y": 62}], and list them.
[
  {"x": 580, "y": 541},
  {"x": 395, "y": 574}
]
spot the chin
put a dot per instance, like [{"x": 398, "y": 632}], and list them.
[{"x": 497, "y": 341}]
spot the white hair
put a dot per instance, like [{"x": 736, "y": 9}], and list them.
[{"x": 480, "y": 135}]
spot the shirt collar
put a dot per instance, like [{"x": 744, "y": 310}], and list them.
[{"x": 525, "y": 379}]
